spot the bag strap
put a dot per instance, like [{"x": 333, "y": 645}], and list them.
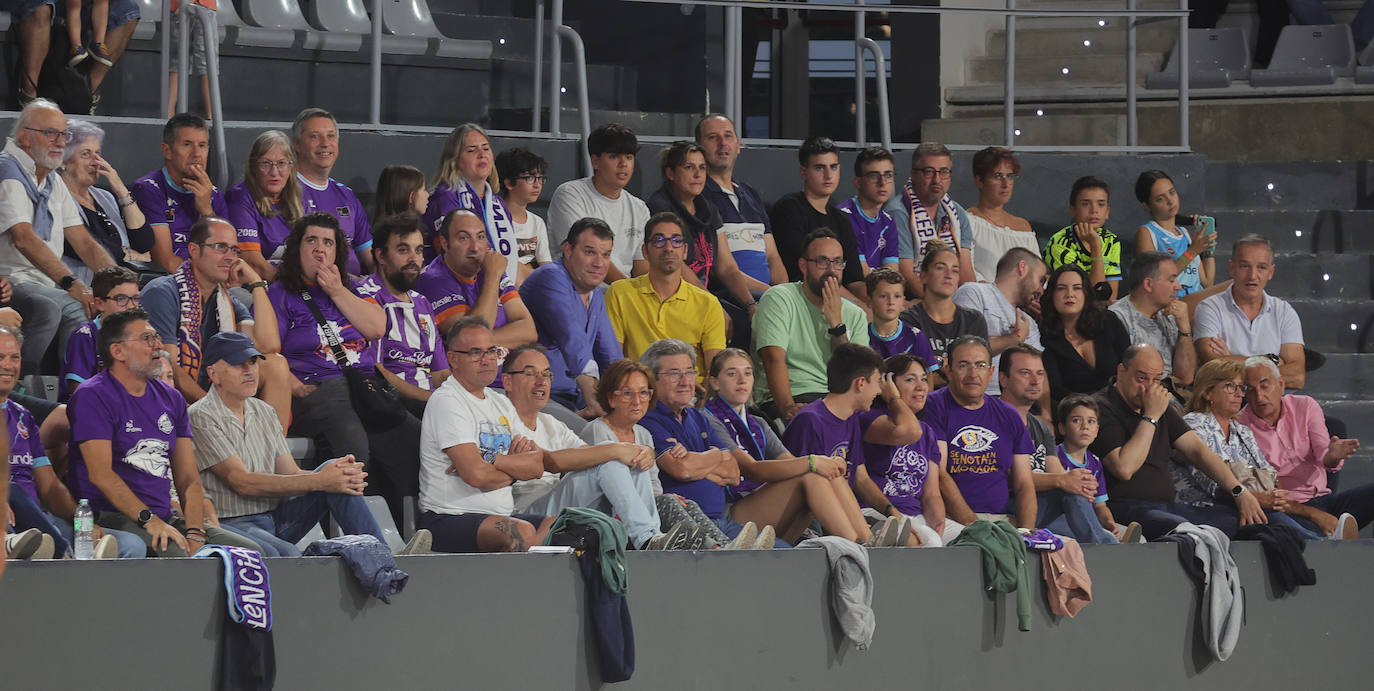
[{"x": 329, "y": 336}]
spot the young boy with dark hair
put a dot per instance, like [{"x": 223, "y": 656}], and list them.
[
  {"x": 887, "y": 333},
  {"x": 115, "y": 289},
  {"x": 1086, "y": 242},
  {"x": 522, "y": 178},
  {"x": 1078, "y": 427}
]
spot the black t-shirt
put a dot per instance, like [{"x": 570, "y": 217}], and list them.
[
  {"x": 1117, "y": 421},
  {"x": 1043, "y": 441},
  {"x": 1069, "y": 373},
  {"x": 966, "y": 322},
  {"x": 793, "y": 218}
]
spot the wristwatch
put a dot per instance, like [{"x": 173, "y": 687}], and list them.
[
  {"x": 255, "y": 285},
  {"x": 1150, "y": 420},
  {"x": 66, "y": 282},
  {"x": 1237, "y": 491},
  {"x": 838, "y": 330},
  {"x": 143, "y": 517}
]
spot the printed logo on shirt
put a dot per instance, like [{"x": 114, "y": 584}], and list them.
[
  {"x": 970, "y": 451},
  {"x": 150, "y": 456},
  {"x": 164, "y": 424},
  {"x": 906, "y": 474},
  {"x": 129, "y": 426},
  {"x": 341, "y": 211},
  {"x": 22, "y": 429},
  {"x": 368, "y": 289},
  {"x": 171, "y": 214},
  {"x": 974, "y": 439},
  {"x": 493, "y": 438}
]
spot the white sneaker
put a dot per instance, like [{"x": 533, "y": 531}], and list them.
[
  {"x": 766, "y": 538},
  {"x": 46, "y": 547},
  {"x": 748, "y": 535},
  {"x": 420, "y": 543},
  {"x": 24, "y": 545},
  {"x": 1347, "y": 528},
  {"x": 107, "y": 547}
]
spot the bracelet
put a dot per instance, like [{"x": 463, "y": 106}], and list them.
[
  {"x": 1188, "y": 334},
  {"x": 811, "y": 459},
  {"x": 1097, "y": 259},
  {"x": 888, "y": 510},
  {"x": 1188, "y": 254},
  {"x": 197, "y": 538}
]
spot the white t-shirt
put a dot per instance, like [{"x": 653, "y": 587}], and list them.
[
  {"x": 597, "y": 432},
  {"x": 15, "y": 208},
  {"x": 626, "y": 215},
  {"x": 1000, "y": 316},
  {"x": 1277, "y": 324},
  {"x": 454, "y": 417},
  {"x": 532, "y": 240},
  {"x": 991, "y": 241}
]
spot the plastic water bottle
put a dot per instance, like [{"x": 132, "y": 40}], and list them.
[{"x": 84, "y": 523}]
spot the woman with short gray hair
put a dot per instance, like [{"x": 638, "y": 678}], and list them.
[{"x": 114, "y": 220}]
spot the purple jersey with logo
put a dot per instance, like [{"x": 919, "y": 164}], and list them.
[
  {"x": 337, "y": 199},
  {"x": 255, "y": 231},
  {"x": 82, "y": 359},
  {"x": 876, "y": 237},
  {"x": 491, "y": 209},
  {"x": 411, "y": 348},
  {"x": 901, "y": 471},
  {"x": 982, "y": 443},
  {"x": 908, "y": 339},
  {"x": 1090, "y": 463},
  {"x": 452, "y": 297},
  {"x": 26, "y": 449},
  {"x": 165, "y": 204},
  {"x": 816, "y": 430},
  {"x": 142, "y": 431},
  {"x": 303, "y": 343}
]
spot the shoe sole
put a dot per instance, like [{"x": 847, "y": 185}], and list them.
[
  {"x": 77, "y": 59},
  {"x": 104, "y": 61},
  {"x": 766, "y": 538},
  {"x": 107, "y": 547},
  {"x": 746, "y": 538},
  {"x": 420, "y": 543},
  {"x": 46, "y": 547},
  {"x": 1132, "y": 534},
  {"x": 1348, "y": 527},
  {"x": 690, "y": 537},
  {"x": 25, "y": 544}
]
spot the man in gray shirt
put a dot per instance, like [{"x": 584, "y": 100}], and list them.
[
  {"x": 249, "y": 473},
  {"x": 1152, "y": 313}
]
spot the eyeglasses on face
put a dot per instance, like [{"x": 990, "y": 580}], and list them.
[
  {"x": 221, "y": 247},
  {"x": 64, "y": 136},
  {"x": 494, "y": 352},
  {"x": 658, "y": 241},
  {"x": 124, "y": 301},
  {"x": 676, "y": 374},
  {"x": 964, "y": 366},
  {"x": 641, "y": 395},
  {"x": 533, "y": 179},
  {"x": 267, "y": 166},
  {"x": 942, "y": 173},
  {"x": 827, "y": 262},
  {"x": 152, "y": 338},
  {"x": 880, "y": 176},
  {"x": 530, "y": 371}
]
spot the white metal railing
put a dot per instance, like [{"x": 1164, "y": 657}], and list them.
[{"x": 205, "y": 19}]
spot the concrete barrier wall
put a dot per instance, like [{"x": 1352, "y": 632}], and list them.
[{"x": 739, "y": 620}]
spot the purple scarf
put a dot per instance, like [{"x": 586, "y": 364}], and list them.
[
  {"x": 246, "y": 583},
  {"x": 747, "y": 432}
]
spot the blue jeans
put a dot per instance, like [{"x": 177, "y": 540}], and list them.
[
  {"x": 1358, "y": 502},
  {"x": 1310, "y": 12},
  {"x": 1071, "y": 515},
  {"x": 732, "y": 529},
  {"x": 1158, "y": 518},
  {"x": 611, "y": 488},
  {"x": 279, "y": 530},
  {"x": 29, "y": 515}
]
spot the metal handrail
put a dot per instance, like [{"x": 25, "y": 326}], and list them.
[
  {"x": 864, "y": 43},
  {"x": 205, "y": 17},
  {"x": 583, "y": 107}
]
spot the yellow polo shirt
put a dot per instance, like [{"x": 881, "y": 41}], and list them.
[{"x": 640, "y": 318}]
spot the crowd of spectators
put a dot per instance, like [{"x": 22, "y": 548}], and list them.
[{"x": 713, "y": 370}]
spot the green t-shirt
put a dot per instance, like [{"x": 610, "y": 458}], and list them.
[
  {"x": 785, "y": 318},
  {"x": 1064, "y": 248}
]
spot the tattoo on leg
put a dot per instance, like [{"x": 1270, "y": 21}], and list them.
[{"x": 515, "y": 542}]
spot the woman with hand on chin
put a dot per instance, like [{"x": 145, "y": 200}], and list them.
[{"x": 114, "y": 220}]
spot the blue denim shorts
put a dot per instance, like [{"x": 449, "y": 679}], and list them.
[{"x": 19, "y": 9}]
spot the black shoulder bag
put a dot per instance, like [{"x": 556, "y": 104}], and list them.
[{"x": 376, "y": 401}]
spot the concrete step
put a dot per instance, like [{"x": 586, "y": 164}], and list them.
[
  {"x": 1057, "y": 69},
  {"x": 1358, "y": 417},
  {"x": 1105, "y": 130},
  {"x": 1301, "y": 230},
  {"x": 1345, "y": 184},
  {"x": 1344, "y": 377},
  {"x": 1032, "y": 41},
  {"x": 1336, "y": 326},
  {"x": 1325, "y": 275}
]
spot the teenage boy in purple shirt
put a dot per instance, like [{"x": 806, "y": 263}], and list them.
[
  {"x": 989, "y": 469},
  {"x": 315, "y": 139},
  {"x": 570, "y": 315},
  {"x": 874, "y": 229},
  {"x": 175, "y": 195},
  {"x": 115, "y": 289},
  {"x": 411, "y": 354}
]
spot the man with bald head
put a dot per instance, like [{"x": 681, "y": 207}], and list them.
[
  {"x": 1138, "y": 431},
  {"x": 37, "y": 217}
]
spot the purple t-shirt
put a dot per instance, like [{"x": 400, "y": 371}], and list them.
[
  {"x": 303, "y": 343},
  {"x": 908, "y": 339},
  {"x": 142, "y": 431},
  {"x": 1092, "y": 465},
  {"x": 982, "y": 444},
  {"x": 901, "y": 471},
  {"x": 165, "y": 204},
  {"x": 82, "y": 359},
  {"x": 255, "y": 231},
  {"x": 816, "y": 430},
  {"x": 491, "y": 209},
  {"x": 337, "y": 199},
  {"x": 452, "y": 297},
  {"x": 26, "y": 449},
  {"x": 877, "y": 237},
  {"x": 411, "y": 348}
]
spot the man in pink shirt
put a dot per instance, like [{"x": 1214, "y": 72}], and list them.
[{"x": 1291, "y": 431}]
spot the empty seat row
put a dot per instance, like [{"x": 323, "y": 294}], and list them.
[
  {"x": 1304, "y": 56},
  {"x": 328, "y": 25}
]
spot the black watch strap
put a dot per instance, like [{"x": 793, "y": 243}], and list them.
[
  {"x": 144, "y": 516},
  {"x": 66, "y": 282},
  {"x": 256, "y": 284},
  {"x": 839, "y": 330}
]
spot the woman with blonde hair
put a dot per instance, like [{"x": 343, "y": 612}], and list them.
[
  {"x": 266, "y": 202},
  {"x": 466, "y": 179}
]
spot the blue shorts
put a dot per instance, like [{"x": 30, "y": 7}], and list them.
[
  {"x": 19, "y": 9},
  {"x": 457, "y": 532}
]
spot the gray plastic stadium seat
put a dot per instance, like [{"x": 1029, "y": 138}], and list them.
[
  {"x": 285, "y": 15},
  {"x": 149, "y": 15},
  {"x": 1309, "y": 55},
  {"x": 1364, "y": 75},
  {"x": 380, "y": 512},
  {"x": 350, "y": 17},
  {"x": 1215, "y": 57},
  {"x": 241, "y": 33},
  {"x": 412, "y": 18},
  {"x": 4, "y": 20},
  {"x": 301, "y": 448}
]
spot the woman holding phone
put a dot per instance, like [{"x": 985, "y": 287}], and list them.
[{"x": 1192, "y": 249}]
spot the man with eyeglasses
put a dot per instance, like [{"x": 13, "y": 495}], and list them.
[
  {"x": 116, "y": 290},
  {"x": 988, "y": 471},
  {"x": 874, "y": 228},
  {"x": 1005, "y": 302},
  {"x": 796, "y": 215},
  {"x": 131, "y": 441},
  {"x": 924, "y": 212},
  {"x": 194, "y": 303},
  {"x": 469, "y": 278},
  {"x": 660, "y": 304},
  {"x": 315, "y": 139},
  {"x": 38, "y": 217},
  {"x": 174, "y": 196},
  {"x": 471, "y": 453},
  {"x": 1291, "y": 431},
  {"x": 571, "y": 318},
  {"x": 798, "y": 326},
  {"x": 411, "y": 355},
  {"x": 1138, "y": 431}
]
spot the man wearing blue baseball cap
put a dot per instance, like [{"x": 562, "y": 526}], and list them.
[{"x": 249, "y": 473}]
